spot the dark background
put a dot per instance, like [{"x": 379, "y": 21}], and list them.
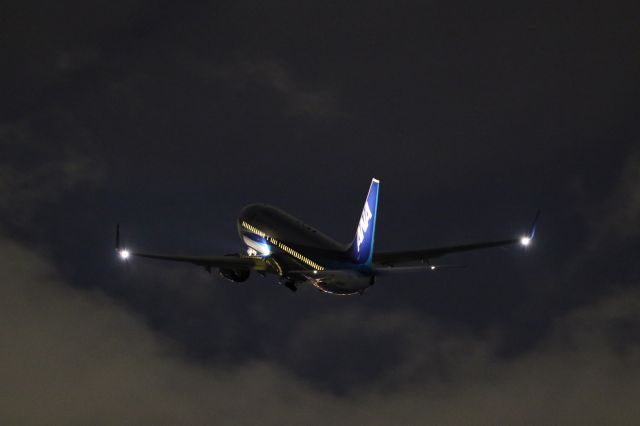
[{"x": 168, "y": 118}]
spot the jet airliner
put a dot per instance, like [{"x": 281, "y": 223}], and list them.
[{"x": 280, "y": 244}]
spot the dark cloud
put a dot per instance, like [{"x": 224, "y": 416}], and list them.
[
  {"x": 34, "y": 173},
  {"x": 298, "y": 100},
  {"x": 620, "y": 214},
  {"x": 77, "y": 357}
]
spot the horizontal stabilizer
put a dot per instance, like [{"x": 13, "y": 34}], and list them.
[{"x": 393, "y": 270}]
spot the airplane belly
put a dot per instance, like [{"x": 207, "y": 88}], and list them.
[{"x": 342, "y": 283}]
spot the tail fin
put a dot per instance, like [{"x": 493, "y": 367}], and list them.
[{"x": 361, "y": 249}]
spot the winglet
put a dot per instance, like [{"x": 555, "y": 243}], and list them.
[
  {"x": 526, "y": 240},
  {"x": 534, "y": 225},
  {"x": 123, "y": 253}
]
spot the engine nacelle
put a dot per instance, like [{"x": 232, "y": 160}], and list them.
[{"x": 235, "y": 275}]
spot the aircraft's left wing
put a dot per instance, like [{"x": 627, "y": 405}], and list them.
[
  {"x": 234, "y": 261},
  {"x": 421, "y": 255}
]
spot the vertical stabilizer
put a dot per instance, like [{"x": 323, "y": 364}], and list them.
[{"x": 361, "y": 250}]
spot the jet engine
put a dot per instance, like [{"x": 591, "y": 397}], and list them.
[{"x": 235, "y": 275}]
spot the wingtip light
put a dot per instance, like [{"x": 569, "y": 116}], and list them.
[
  {"x": 525, "y": 241},
  {"x": 124, "y": 254}
]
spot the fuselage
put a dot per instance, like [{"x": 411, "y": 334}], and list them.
[{"x": 298, "y": 252}]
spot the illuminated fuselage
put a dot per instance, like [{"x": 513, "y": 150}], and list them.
[{"x": 297, "y": 252}]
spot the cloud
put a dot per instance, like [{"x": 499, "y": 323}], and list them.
[
  {"x": 24, "y": 189},
  {"x": 73, "y": 356},
  {"x": 300, "y": 99},
  {"x": 34, "y": 172},
  {"x": 620, "y": 214}
]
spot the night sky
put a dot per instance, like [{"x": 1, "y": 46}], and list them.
[{"x": 169, "y": 117}]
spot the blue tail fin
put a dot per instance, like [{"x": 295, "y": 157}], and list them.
[{"x": 361, "y": 250}]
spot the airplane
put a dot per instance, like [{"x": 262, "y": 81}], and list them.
[{"x": 280, "y": 244}]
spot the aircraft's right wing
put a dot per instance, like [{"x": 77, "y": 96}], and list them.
[
  {"x": 422, "y": 255},
  {"x": 394, "y": 257}
]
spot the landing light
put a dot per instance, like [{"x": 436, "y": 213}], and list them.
[
  {"x": 264, "y": 249},
  {"x": 525, "y": 241},
  {"x": 124, "y": 254},
  {"x": 433, "y": 268}
]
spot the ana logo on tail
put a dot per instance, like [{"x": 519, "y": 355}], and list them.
[
  {"x": 361, "y": 249},
  {"x": 363, "y": 225}
]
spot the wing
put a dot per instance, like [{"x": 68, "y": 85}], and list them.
[
  {"x": 230, "y": 261},
  {"x": 394, "y": 257},
  {"x": 234, "y": 261}
]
